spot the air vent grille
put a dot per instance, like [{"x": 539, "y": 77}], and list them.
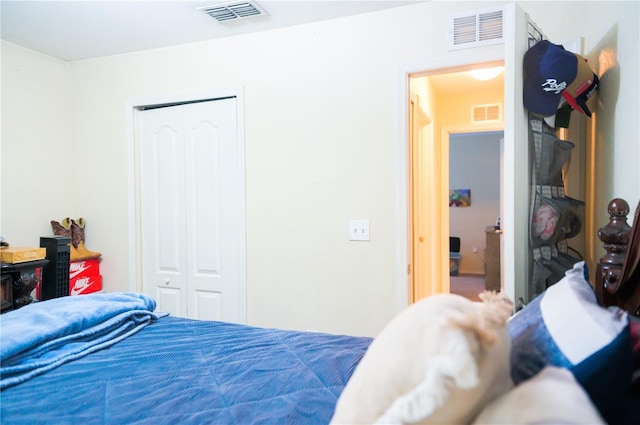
[
  {"x": 476, "y": 29},
  {"x": 225, "y": 12},
  {"x": 490, "y": 26},
  {"x": 486, "y": 113},
  {"x": 464, "y": 30}
]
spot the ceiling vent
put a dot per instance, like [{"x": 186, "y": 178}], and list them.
[
  {"x": 481, "y": 28},
  {"x": 486, "y": 113},
  {"x": 233, "y": 11}
]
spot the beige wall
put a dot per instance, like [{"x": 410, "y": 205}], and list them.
[
  {"x": 37, "y": 155},
  {"x": 320, "y": 139}
]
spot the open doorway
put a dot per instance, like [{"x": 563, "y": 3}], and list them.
[
  {"x": 442, "y": 103},
  {"x": 474, "y": 210}
]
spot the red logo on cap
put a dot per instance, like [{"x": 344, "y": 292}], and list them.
[{"x": 584, "y": 86}]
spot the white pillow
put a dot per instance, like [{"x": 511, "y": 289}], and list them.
[
  {"x": 551, "y": 397},
  {"x": 439, "y": 361}
]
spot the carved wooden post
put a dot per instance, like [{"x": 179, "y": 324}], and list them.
[
  {"x": 23, "y": 285},
  {"x": 615, "y": 237}
]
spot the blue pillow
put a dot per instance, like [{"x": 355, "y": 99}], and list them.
[{"x": 566, "y": 327}]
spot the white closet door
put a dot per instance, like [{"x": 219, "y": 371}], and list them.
[
  {"x": 192, "y": 217},
  {"x": 162, "y": 197}
]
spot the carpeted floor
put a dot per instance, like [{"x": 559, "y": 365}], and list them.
[{"x": 469, "y": 286}]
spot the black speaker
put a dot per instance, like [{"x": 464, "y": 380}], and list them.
[{"x": 55, "y": 278}]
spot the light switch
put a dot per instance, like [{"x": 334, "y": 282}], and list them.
[{"x": 358, "y": 230}]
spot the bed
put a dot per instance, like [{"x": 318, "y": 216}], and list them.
[
  {"x": 112, "y": 359},
  {"x": 181, "y": 371}
]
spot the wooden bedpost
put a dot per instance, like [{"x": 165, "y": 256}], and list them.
[
  {"x": 615, "y": 236},
  {"x": 630, "y": 285},
  {"x": 618, "y": 272}
]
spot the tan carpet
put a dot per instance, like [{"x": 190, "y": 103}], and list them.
[{"x": 469, "y": 286}]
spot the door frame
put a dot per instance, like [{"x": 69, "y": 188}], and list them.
[
  {"x": 445, "y": 137},
  {"x": 419, "y": 121},
  {"x": 433, "y": 66},
  {"x": 514, "y": 215},
  {"x": 132, "y": 109}
]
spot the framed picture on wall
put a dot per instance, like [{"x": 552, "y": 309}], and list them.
[{"x": 460, "y": 197}]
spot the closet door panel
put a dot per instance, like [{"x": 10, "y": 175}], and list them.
[
  {"x": 192, "y": 210},
  {"x": 214, "y": 213},
  {"x": 162, "y": 201}
]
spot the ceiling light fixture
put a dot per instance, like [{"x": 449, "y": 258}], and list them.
[{"x": 486, "y": 73}]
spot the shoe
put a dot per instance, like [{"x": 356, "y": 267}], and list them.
[
  {"x": 77, "y": 238},
  {"x": 64, "y": 229}
]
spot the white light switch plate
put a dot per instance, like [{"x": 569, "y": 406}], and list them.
[{"x": 358, "y": 230}]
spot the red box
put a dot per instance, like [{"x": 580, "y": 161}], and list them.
[
  {"x": 84, "y": 268},
  {"x": 84, "y": 277},
  {"x": 85, "y": 285}
]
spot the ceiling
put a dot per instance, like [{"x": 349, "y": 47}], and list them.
[
  {"x": 84, "y": 29},
  {"x": 461, "y": 83}
]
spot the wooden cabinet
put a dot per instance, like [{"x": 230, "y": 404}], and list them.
[
  {"x": 18, "y": 281},
  {"x": 6, "y": 293},
  {"x": 492, "y": 259}
]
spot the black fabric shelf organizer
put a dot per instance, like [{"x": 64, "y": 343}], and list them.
[{"x": 554, "y": 217}]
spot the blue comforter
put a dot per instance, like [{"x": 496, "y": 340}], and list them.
[
  {"x": 44, "y": 335},
  {"x": 182, "y": 371}
]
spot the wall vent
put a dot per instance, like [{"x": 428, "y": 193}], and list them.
[
  {"x": 481, "y": 28},
  {"x": 225, "y": 12},
  {"x": 486, "y": 113}
]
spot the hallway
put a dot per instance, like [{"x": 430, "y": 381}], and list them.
[{"x": 469, "y": 285}]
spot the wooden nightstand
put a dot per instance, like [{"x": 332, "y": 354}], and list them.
[
  {"x": 6, "y": 293},
  {"x": 18, "y": 281}
]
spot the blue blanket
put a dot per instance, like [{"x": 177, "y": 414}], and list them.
[
  {"x": 44, "y": 335},
  {"x": 194, "y": 372}
]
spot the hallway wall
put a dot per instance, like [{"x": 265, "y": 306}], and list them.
[{"x": 474, "y": 163}]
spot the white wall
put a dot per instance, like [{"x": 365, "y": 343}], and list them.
[
  {"x": 36, "y": 150},
  {"x": 320, "y": 148},
  {"x": 611, "y": 46}
]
